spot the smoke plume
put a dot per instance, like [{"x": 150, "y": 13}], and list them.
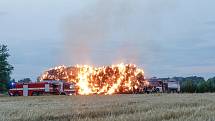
[{"x": 112, "y": 31}]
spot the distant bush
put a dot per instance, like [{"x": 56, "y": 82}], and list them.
[
  {"x": 188, "y": 86},
  {"x": 197, "y": 84}
]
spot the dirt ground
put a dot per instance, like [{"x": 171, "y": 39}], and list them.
[{"x": 145, "y": 107}]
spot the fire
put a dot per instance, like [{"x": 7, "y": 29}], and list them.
[{"x": 120, "y": 78}]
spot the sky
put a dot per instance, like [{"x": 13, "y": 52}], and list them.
[{"x": 164, "y": 37}]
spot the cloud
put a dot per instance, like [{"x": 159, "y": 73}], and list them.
[
  {"x": 198, "y": 69},
  {"x": 161, "y": 35},
  {"x": 210, "y": 22},
  {"x": 2, "y": 13},
  {"x": 204, "y": 70}
]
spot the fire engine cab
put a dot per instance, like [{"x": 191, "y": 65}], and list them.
[{"x": 42, "y": 88}]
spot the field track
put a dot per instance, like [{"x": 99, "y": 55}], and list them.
[{"x": 151, "y": 107}]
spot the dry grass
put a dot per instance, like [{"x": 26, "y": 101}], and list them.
[{"x": 158, "y": 107}]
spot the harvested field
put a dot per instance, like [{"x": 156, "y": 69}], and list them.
[{"x": 152, "y": 107}]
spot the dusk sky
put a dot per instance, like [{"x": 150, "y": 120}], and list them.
[{"x": 164, "y": 37}]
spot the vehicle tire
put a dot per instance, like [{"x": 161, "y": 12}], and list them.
[
  {"x": 39, "y": 93},
  {"x": 16, "y": 94},
  {"x": 157, "y": 90},
  {"x": 9, "y": 94},
  {"x": 62, "y": 93},
  {"x": 34, "y": 94}
]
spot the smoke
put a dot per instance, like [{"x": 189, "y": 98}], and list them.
[{"x": 112, "y": 31}]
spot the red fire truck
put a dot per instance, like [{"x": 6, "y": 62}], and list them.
[{"x": 42, "y": 88}]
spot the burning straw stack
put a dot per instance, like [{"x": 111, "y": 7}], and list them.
[{"x": 119, "y": 78}]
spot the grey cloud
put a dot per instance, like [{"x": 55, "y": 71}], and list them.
[
  {"x": 162, "y": 36},
  {"x": 210, "y": 22},
  {"x": 2, "y": 13}
]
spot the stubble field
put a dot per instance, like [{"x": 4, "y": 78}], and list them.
[{"x": 151, "y": 107}]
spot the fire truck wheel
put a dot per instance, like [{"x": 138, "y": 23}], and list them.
[
  {"x": 9, "y": 94},
  {"x": 62, "y": 93},
  {"x": 16, "y": 94},
  {"x": 34, "y": 94}
]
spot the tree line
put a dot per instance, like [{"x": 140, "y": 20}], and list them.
[{"x": 196, "y": 84}]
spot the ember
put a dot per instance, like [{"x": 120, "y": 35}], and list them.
[{"x": 121, "y": 78}]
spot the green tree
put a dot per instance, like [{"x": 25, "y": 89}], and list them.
[
  {"x": 193, "y": 84},
  {"x": 195, "y": 79},
  {"x": 211, "y": 84},
  {"x": 5, "y": 68},
  {"x": 189, "y": 86},
  {"x": 25, "y": 80},
  {"x": 202, "y": 87},
  {"x": 38, "y": 79}
]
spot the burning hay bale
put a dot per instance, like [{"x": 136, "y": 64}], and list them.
[{"x": 119, "y": 78}]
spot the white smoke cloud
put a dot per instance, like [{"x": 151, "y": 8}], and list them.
[{"x": 112, "y": 31}]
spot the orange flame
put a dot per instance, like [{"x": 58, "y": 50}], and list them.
[{"x": 120, "y": 78}]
